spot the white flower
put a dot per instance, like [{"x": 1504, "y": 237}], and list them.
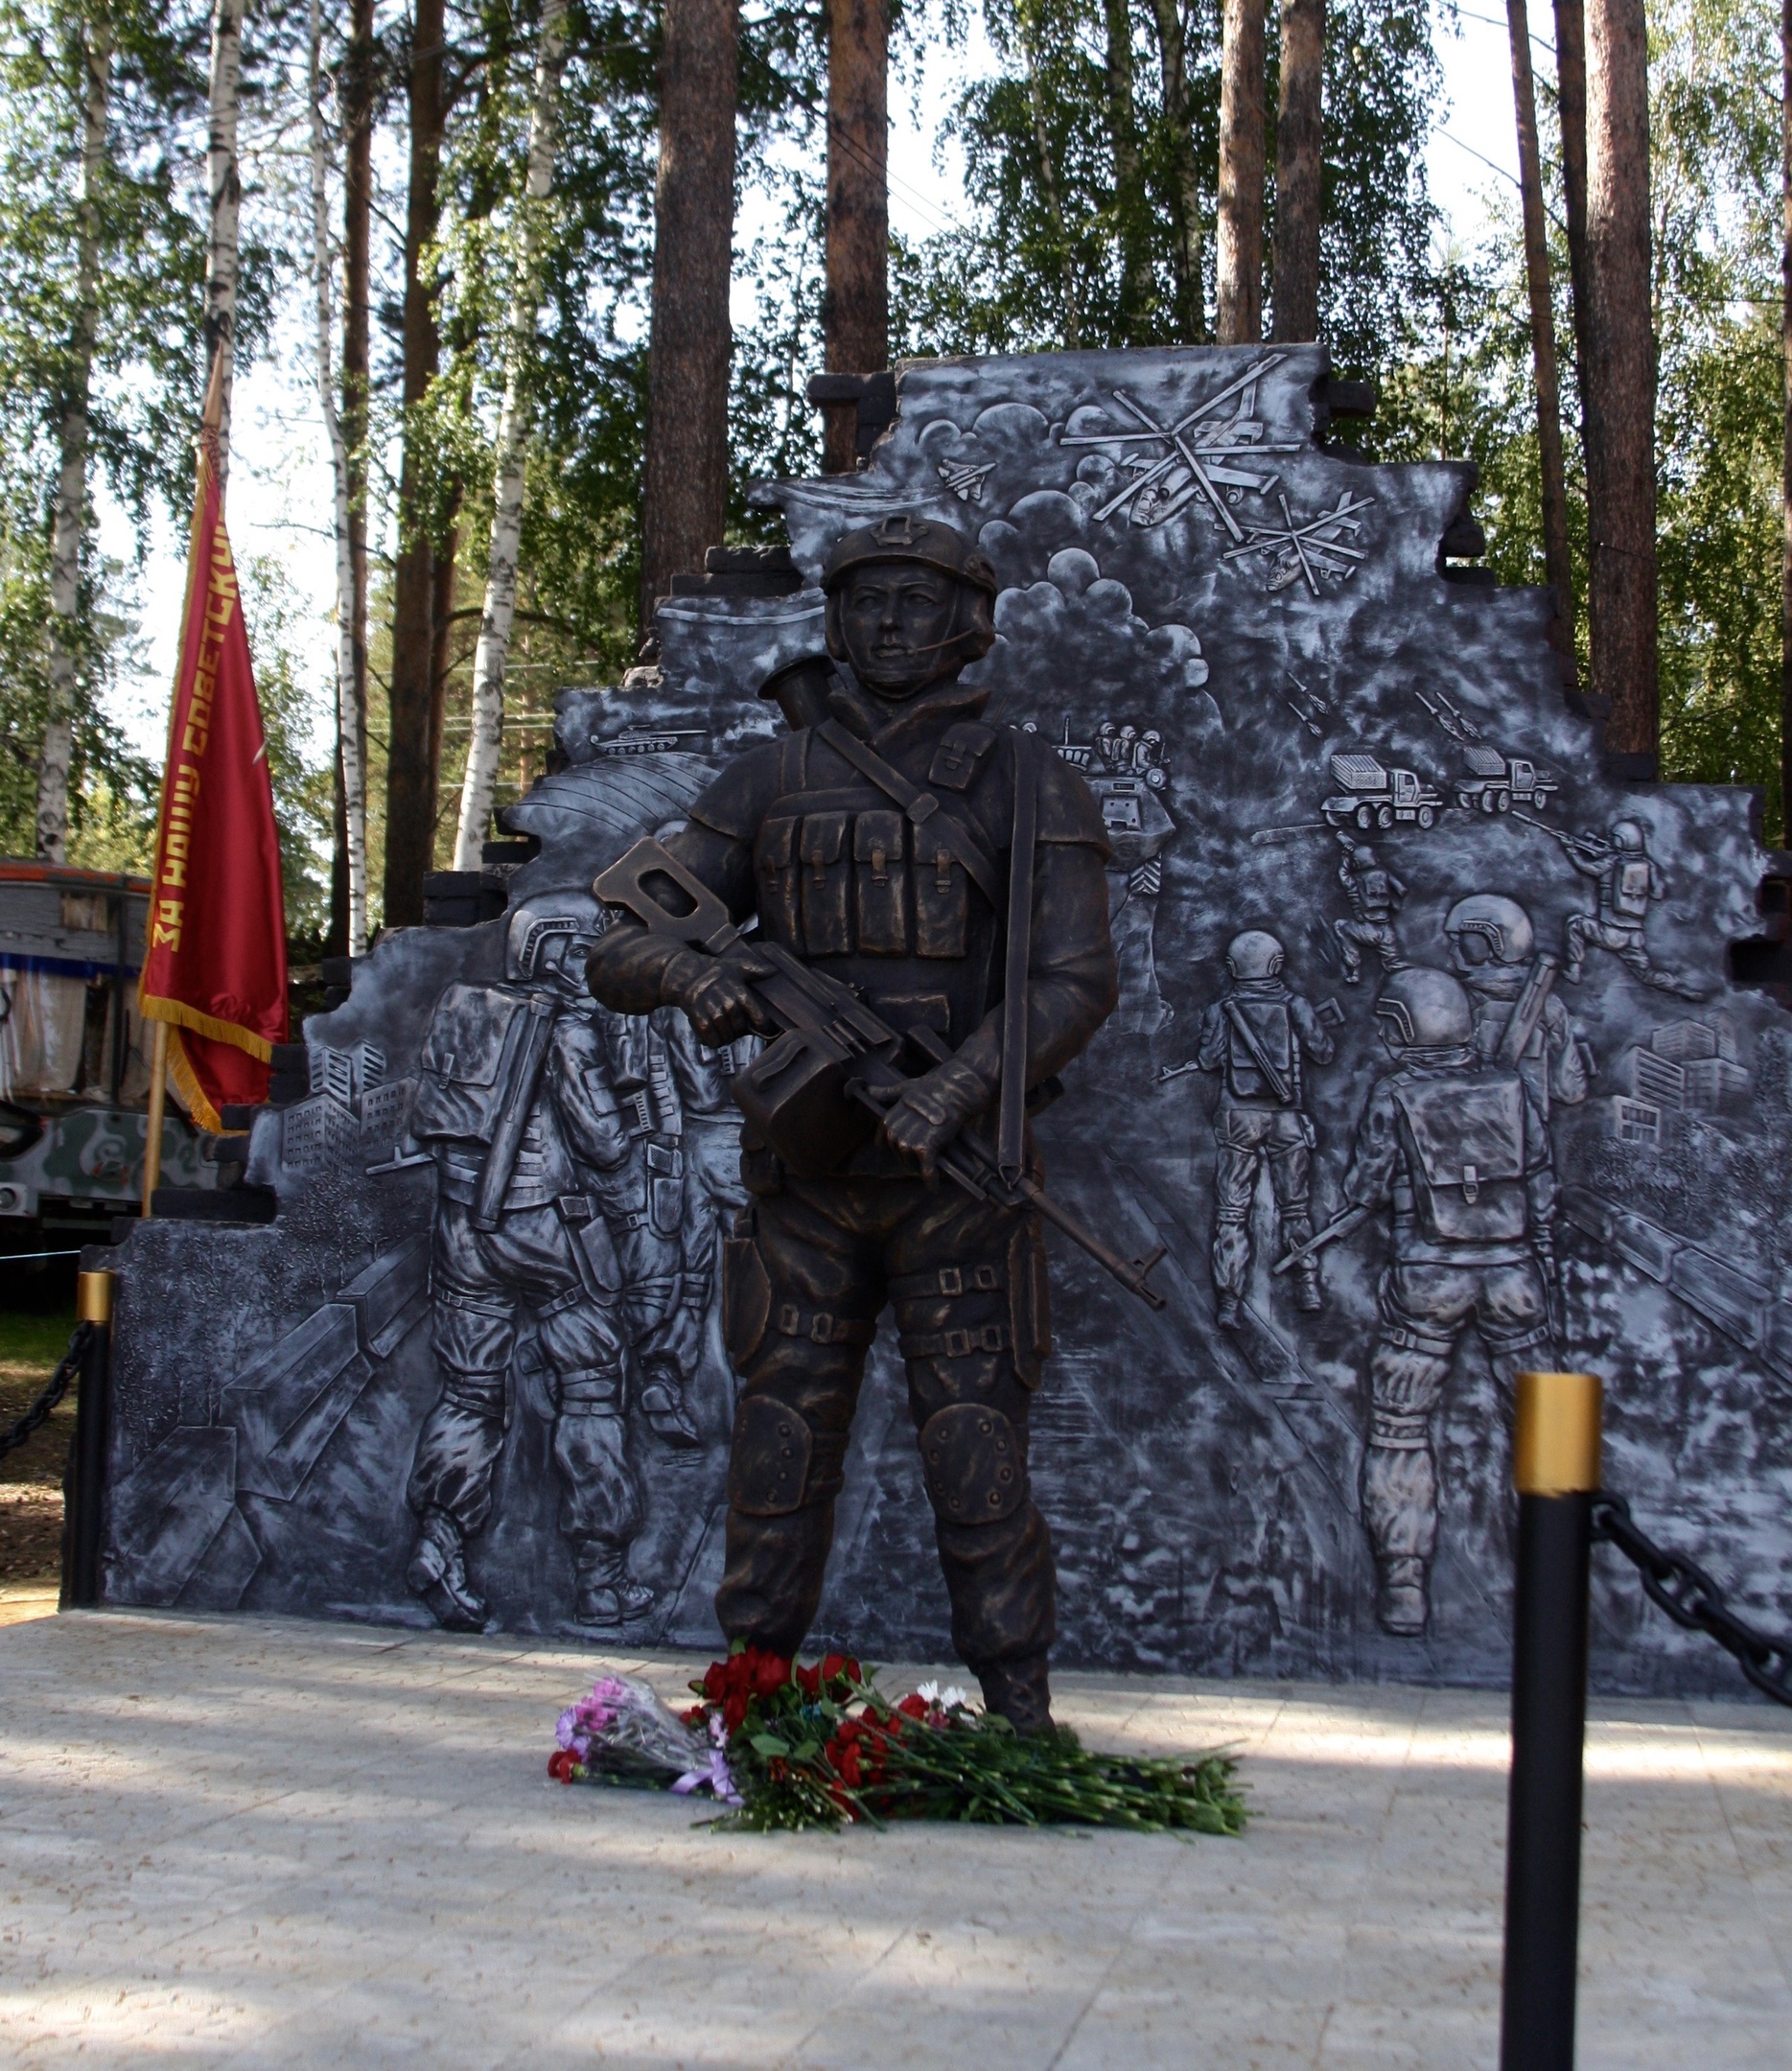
[{"x": 932, "y": 1693}]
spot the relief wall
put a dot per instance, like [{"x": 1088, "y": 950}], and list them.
[{"x": 1427, "y": 1068}]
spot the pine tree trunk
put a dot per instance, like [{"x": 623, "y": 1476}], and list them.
[
  {"x": 1299, "y": 172},
  {"x": 1137, "y": 293},
  {"x": 485, "y": 737},
  {"x": 1178, "y": 114},
  {"x": 410, "y": 772},
  {"x": 855, "y": 301},
  {"x": 1620, "y": 376},
  {"x": 71, "y": 494},
  {"x": 1571, "y": 86},
  {"x": 1238, "y": 285},
  {"x": 1785, "y": 337},
  {"x": 1555, "y": 560},
  {"x": 348, "y": 746},
  {"x": 684, "y": 490},
  {"x": 356, "y": 274},
  {"x": 225, "y": 188}
]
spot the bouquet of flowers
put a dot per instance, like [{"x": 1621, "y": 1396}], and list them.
[{"x": 786, "y": 1744}]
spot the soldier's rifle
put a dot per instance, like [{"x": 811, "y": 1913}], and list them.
[
  {"x": 823, "y": 1084},
  {"x": 1590, "y": 846},
  {"x": 1246, "y": 1035},
  {"x": 1351, "y": 1218}
]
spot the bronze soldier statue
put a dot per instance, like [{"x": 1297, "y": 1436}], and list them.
[{"x": 874, "y": 847}]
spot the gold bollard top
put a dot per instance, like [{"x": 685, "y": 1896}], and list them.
[
  {"x": 1555, "y": 1438},
  {"x": 93, "y": 1298}
]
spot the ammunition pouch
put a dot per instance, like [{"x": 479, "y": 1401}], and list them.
[
  {"x": 746, "y": 1293},
  {"x": 975, "y": 1464},
  {"x": 777, "y": 1463},
  {"x": 665, "y": 1189}
]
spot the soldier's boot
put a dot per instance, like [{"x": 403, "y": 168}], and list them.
[
  {"x": 1402, "y": 1602},
  {"x": 607, "y": 1595},
  {"x": 662, "y": 1404},
  {"x": 438, "y": 1574},
  {"x": 1020, "y": 1692}
]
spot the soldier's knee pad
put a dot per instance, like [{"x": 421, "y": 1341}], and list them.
[
  {"x": 779, "y": 1462},
  {"x": 476, "y": 1394},
  {"x": 975, "y": 1464},
  {"x": 1399, "y": 1431}
]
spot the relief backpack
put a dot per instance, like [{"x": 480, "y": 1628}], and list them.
[{"x": 1464, "y": 1140}]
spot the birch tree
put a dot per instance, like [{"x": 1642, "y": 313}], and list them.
[
  {"x": 349, "y": 726},
  {"x": 71, "y": 497},
  {"x": 224, "y": 186},
  {"x": 480, "y": 780}
]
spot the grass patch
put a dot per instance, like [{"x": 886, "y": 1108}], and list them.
[{"x": 32, "y": 1344}]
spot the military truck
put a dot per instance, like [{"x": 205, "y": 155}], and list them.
[
  {"x": 74, "y": 1060},
  {"x": 1494, "y": 781},
  {"x": 1371, "y": 795}
]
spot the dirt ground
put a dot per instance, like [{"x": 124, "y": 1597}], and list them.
[{"x": 30, "y": 1478}]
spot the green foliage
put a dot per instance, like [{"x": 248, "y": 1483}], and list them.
[{"x": 277, "y": 619}]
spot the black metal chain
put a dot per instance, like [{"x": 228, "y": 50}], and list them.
[
  {"x": 1689, "y": 1597},
  {"x": 54, "y": 1388}
]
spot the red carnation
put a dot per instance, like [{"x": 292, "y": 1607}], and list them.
[
  {"x": 808, "y": 1681},
  {"x": 770, "y": 1672},
  {"x": 913, "y": 1705},
  {"x": 560, "y": 1764}
]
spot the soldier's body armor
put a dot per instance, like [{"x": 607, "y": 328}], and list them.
[
  {"x": 846, "y": 881},
  {"x": 1374, "y": 895}
]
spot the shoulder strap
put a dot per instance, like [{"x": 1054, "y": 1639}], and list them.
[
  {"x": 922, "y": 808},
  {"x": 1011, "y": 1147}
]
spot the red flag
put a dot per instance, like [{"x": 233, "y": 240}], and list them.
[{"x": 215, "y": 965}]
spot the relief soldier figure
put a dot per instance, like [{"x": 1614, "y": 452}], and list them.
[
  {"x": 875, "y": 846},
  {"x": 711, "y": 1142},
  {"x": 1460, "y": 1153},
  {"x": 1493, "y": 947},
  {"x": 1629, "y": 884},
  {"x": 1258, "y": 1036},
  {"x": 515, "y": 1103},
  {"x": 1375, "y": 895}
]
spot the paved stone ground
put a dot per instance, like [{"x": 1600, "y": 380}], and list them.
[{"x": 253, "y": 1843}]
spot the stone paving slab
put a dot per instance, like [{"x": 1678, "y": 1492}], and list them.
[{"x": 244, "y": 1843}]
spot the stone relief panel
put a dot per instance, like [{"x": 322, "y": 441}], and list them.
[{"x": 1427, "y": 1068}]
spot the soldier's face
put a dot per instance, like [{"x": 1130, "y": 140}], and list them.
[{"x": 896, "y": 618}]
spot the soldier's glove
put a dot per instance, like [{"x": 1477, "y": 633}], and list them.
[
  {"x": 930, "y": 1112},
  {"x": 716, "y": 993}
]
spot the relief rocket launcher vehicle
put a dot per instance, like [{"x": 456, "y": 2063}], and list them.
[{"x": 1371, "y": 795}]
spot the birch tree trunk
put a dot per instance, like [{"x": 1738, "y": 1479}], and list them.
[
  {"x": 411, "y": 767},
  {"x": 71, "y": 495},
  {"x": 356, "y": 107},
  {"x": 1048, "y": 185},
  {"x": 855, "y": 300},
  {"x": 1785, "y": 340},
  {"x": 1173, "y": 64},
  {"x": 225, "y": 188},
  {"x": 1555, "y": 560},
  {"x": 1238, "y": 283},
  {"x": 1299, "y": 172},
  {"x": 685, "y": 480},
  {"x": 1123, "y": 133},
  {"x": 1620, "y": 345},
  {"x": 347, "y": 726},
  {"x": 481, "y": 781}
]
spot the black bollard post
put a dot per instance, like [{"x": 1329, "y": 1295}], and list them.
[
  {"x": 84, "y": 1486},
  {"x": 1555, "y": 1464}
]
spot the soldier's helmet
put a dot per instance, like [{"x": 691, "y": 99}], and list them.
[
  {"x": 902, "y": 537},
  {"x": 1420, "y": 1009},
  {"x": 1501, "y": 924},
  {"x": 1253, "y": 956},
  {"x": 1628, "y": 836},
  {"x": 549, "y": 935}
]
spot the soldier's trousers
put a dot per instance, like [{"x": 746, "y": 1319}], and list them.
[
  {"x": 1246, "y": 1136},
  {"x": 476, "y": 1280},
  {"x": 1625, "y": 938},
  {"x": 1354, "y": 937},
  {"x": 804, "y": 1277},
  {"x": 1425, "y": 1310},
  {"x": 713, "y": 1194}
]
